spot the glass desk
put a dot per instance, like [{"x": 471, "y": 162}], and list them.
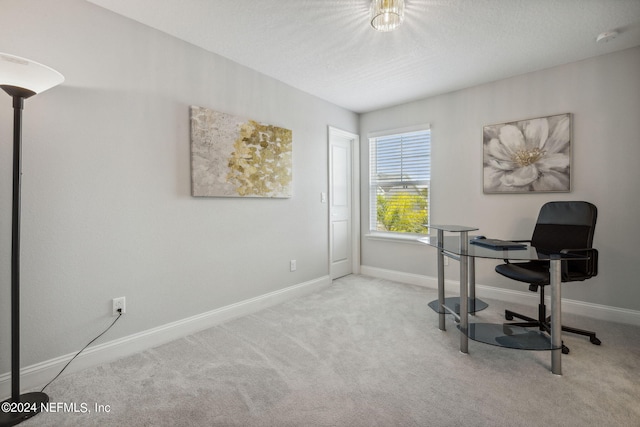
[{"x": 458, "y": 247}]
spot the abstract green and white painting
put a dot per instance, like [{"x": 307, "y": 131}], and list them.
[{"x": 233, "y": 156}]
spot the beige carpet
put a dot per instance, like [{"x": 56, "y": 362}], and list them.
[{"x": 365, "y": 352}]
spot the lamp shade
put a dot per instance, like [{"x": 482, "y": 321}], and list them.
[{"x": 26, "y": 74}]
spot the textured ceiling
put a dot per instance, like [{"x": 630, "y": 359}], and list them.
[{"x": 328, "y": 48}]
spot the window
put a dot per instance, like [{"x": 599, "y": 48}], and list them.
[{"x": 400, "y": 175}]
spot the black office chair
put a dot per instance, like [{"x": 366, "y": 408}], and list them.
[{"x": 561, "y": 227}]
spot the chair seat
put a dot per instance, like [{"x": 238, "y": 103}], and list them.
[{"x": 535, "y": 273}]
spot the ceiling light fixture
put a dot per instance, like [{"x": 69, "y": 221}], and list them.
[{"x": 387, "y": 15}]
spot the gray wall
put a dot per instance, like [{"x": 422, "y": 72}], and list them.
[
  {"x": 107, "y": 210},
  {"x": 603, "y": 94}
]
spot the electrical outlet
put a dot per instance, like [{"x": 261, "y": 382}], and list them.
[
  {"x": 293, "y": 265},
  {"x": 118, "y": 304}
]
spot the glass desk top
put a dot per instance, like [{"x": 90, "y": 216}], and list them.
[
  {"x": 452, "y": 245},
  {"x": 453, "y": 228}
]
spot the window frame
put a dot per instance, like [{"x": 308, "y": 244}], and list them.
[{"x": 374, "y": 233}]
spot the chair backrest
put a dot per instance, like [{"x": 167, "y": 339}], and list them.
[{"x": 568, "y": 225}]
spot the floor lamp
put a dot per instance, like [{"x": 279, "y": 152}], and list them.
[{"x": 20, "y": 78}]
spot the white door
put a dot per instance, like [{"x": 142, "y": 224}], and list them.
[{"x": 343, "y": 241}]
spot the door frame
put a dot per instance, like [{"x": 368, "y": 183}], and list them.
[{"x": 355, "y": 196}]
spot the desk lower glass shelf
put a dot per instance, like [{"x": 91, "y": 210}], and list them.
[
  {"x": 473, "y": 304},
  {"x": 505, "y": 335}
]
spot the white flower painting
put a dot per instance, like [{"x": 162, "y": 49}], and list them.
[{"x": 528, "y": 156}]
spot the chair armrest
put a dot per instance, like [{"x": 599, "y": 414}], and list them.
[
  {"x": 579, "y": 250},
  {"x": 591, "y": 263}
]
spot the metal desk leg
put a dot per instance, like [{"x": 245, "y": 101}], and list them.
[
  {"x": 441, "y": 311},
  {"x": 556, "y": 319},
  {"x": 464, "y": 282},
  {"x": 472, "y": 285}
]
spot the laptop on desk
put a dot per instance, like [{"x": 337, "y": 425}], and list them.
[{"x": 497, "y": 244}]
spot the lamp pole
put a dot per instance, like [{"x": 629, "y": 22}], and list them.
[
  {"x": 18, "y": 104},
  {"x": 21, "y": 407}
]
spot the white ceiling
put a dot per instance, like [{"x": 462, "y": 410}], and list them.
[{"x": 328, "y": 48}]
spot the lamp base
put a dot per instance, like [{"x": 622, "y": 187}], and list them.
[{"x": 30, "y": 404}]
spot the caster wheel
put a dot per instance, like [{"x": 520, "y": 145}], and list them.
[
  {"x": 508, "y": 316},
  {"x": 595, "y": 341},
  {"x": 565, "y": 349}
]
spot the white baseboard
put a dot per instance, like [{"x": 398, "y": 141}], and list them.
[
  {"x": 595, "y": 311},
  {"x": 37, "y": 375}
]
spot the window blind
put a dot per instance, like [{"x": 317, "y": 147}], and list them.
[{"x": 400, "y": 176}]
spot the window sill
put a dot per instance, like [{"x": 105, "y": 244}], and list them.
[{"x": 396, "y": 237}]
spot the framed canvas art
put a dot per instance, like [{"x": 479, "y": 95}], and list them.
[
  {"x": 528, "y": 156},
  {"x": 233, "y": 156}
]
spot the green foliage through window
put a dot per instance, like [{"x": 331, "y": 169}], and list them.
[{"x": 403, "y": 212}]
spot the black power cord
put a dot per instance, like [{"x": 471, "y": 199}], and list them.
[{"x": 83, "y": 349}]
